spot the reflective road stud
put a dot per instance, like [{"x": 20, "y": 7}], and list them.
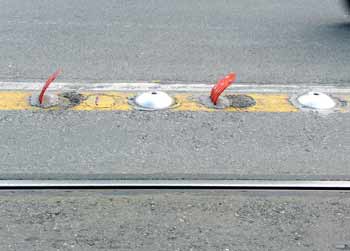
[
  {"x": 316, "y": 100},
  {"x": 155, "y": 100}
]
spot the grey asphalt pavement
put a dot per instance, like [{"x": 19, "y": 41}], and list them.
[
  {"x": 186, "y": 41},
  {"x": 71, "y": 144},
  {"x": 182, "y": 220},
  {"x": 265, "y": 41}
]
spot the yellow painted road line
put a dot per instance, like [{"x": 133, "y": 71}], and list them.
[
  {"x": 271, "y": 103},
  {"x": 188, "y": 103},
  {"x": 15, "y": 101},
  {"x": 264, "y": 103},
  {"x": 108, "y": 101},
  {"x": 118, "y": 101}
]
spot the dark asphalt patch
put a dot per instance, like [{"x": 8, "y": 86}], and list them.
[
  {"x": 73, "y": 98},
  {"x": 63, "y": 100},
  {"x": 240, "y": 101},
  {"x": 227, "y": 101}
]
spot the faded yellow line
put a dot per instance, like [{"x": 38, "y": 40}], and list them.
[
  {"x": 269, "y": 103},
  {"x": 264, "y": 103},
  {"x": 188, "y": 103},
  {"x": 15, "y": 101},
  {"x": 118, "y": 101},
  {"x": 108, "y": 101}
]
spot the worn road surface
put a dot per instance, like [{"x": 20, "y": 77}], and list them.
[
  {"x": 71, "y": 144},
  {"x": 269, "y": 41},
  {"x": 192, "y": 220},
  {"x": 265, "y": 41},
  {"x": 184, "y": 41}
]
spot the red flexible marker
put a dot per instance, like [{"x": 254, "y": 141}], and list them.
[
  {"x": 220, "y": 87},
  {"x": 47, "y": 84}
]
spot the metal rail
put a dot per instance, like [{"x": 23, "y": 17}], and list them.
[{"x": 175, "y": 184}]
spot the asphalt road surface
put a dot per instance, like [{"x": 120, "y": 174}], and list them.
[
  {"x": 71, "y": 144},
  {"x": 266, "y": 41},
  {"x": 183, "y": 41},
  {"x": 192, "y": 220}
]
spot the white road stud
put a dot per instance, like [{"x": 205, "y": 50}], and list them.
[
  {"x": 154, "y": 100},
  {"x": 316, "y": 100}
]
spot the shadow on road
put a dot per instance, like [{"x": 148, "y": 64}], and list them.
[
  {"x": 338, "y": 33},
  {"x": 340, "y": 27}
]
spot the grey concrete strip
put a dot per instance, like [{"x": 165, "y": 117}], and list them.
[
  {"x": 174, "y": 87},
  {"x": 196, "y": 220},
  {"x": 265, "y": 41},
  {"x": 168, "y": 145}
]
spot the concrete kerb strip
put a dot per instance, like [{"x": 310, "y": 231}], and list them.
[
  {"x": 175, "y": 87},
  {"x": 116, "y": 96}
]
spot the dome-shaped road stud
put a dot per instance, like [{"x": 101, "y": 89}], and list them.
[
  {"x": 316, "y": 100},
  {"x": 154, "y": 100}
]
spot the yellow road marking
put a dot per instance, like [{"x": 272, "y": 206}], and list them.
[
  {"x": 118, "y": 101},
  {"x": 269, "y": 103},
  {"x": 188, "y": 103},
  {"x": 15, "y": 101},
  {"x": 105, "y": 101},
  {"x": 264, "y": 103}
]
